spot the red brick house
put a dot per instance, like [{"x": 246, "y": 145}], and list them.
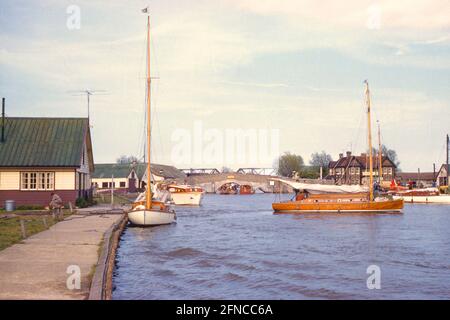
[{"x": 354, "y": 169}]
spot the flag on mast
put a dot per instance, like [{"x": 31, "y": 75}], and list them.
[{"x": 145, "y": 10}]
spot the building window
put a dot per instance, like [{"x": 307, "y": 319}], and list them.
[
  {"x": 104, "y": 185},
  {"x": 122, "y": 184},
  {"x": 38, "y": 181}
]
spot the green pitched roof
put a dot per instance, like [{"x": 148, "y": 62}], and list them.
[
  {"x": 43, "y": 142},
  {"x": 168, "y": 172},
  {"x": 107, "y": 170}
]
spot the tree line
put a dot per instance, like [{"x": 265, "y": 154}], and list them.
[{"x": 290, "y": 165}]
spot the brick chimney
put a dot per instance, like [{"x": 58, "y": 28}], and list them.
[
  {"x": 364, "y": 155},
  {"x": 341, "y": 155},
  {"x": 349, "y": 153}
]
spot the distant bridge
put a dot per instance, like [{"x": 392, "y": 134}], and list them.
[
  {"x": 258, "y": 171},
  {"x": 211, "y": 183},
  {"x": 198, "y": 171}
]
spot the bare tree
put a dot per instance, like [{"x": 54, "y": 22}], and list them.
[{"x": 123, "y": 159}]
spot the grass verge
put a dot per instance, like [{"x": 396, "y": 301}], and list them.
[{"x": 11, "y": 232}]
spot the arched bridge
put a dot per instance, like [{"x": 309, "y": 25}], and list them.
[{"x": 212, "y": 182}]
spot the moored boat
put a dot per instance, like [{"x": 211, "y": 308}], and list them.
[
  {"x": 229, "y": 188},
  {"x": 146, "y": 211},
  {"x": 185, "y": 194},
  {"x": 427, "y": 195},
  {"x": 246, "y": 189}
]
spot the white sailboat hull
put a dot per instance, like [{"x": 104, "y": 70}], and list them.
[
  {"x": 151, "y": 217},
  {"x": 445, "y": 199},
  {"x": 187, "y": 198}
]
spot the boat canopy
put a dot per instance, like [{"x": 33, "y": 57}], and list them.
[{"x": 324, "y": 188}]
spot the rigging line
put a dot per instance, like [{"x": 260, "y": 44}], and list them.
[
  {"x": 157, "y": 120},
  {"x": 357, "y": 132},
  {"x": 142, "y": 63},
  {"x": 155, "y": 96},
  {"x": 157, "y": 126},
  {"x": 441, "y": 156},
  {"x": 143, "y": 144}
]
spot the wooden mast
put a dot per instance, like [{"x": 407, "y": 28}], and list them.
[
  {"x": 380, "y": 155},
  {"x": 149, "y": 174},
  {"x": 369, "y": 128},
  {"x": 447, "y": 169}
]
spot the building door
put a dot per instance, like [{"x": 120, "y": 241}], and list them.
[
  {"x": 132, "y": 185},
  {"x": 79, "y": 185}
]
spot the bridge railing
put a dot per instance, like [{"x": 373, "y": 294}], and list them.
[
  {"x": 197, "y": 171},
  {"x": 258, "y": 171}
]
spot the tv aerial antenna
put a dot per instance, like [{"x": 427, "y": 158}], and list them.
[{"x": 88, "y": 93}]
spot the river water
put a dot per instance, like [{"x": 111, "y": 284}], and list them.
[{"x": 234, "y": 247}]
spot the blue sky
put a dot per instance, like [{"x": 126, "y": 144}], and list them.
[{"x": 296, "y": 66}]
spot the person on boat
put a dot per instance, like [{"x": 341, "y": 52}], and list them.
[
  {"x": 299, "y": 195},
  {"x": 56, "y": 204}
]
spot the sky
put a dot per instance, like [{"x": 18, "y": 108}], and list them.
[{"x": 286, "y": 73}]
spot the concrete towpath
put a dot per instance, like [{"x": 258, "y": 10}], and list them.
[{"x": 37, "y": 268}]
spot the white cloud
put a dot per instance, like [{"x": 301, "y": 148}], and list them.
[
  {"x": 416, "y": 14},
  {"x": 196, "y": 48}
]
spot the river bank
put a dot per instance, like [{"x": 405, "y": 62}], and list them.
[{"x": 61, "y": 262}]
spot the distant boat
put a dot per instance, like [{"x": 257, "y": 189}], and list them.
[
  {"x": 427, "y": 195},
  {"x": 145, "y": 210},
  {"x": 331, "y": 198},
  {"x": 185, "y": 194},
  {"x": 229, "y": 188},
  {"x": 246, "y": 189}
]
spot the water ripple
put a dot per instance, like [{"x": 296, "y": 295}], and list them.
[{"x": 234, "y": 248}]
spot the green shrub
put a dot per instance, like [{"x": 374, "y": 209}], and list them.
[{"x": 81, "y": 203}]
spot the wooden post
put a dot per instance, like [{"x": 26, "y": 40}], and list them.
[
  {"x": 44, "y": 220},
  {"x": 22, "y": 227},
  {"x": 70, "y": 207},
  {"x": 112, "y": 191},
  {"x": 434, "y": 172},
  {"x": 418, "y": 178},
  {"x": 447, "y": 169}
]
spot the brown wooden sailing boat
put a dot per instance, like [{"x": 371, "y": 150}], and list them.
[{"x": 326, "y": 198}]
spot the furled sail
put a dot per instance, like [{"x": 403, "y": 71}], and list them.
[{"x": 324, "y": 188}]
